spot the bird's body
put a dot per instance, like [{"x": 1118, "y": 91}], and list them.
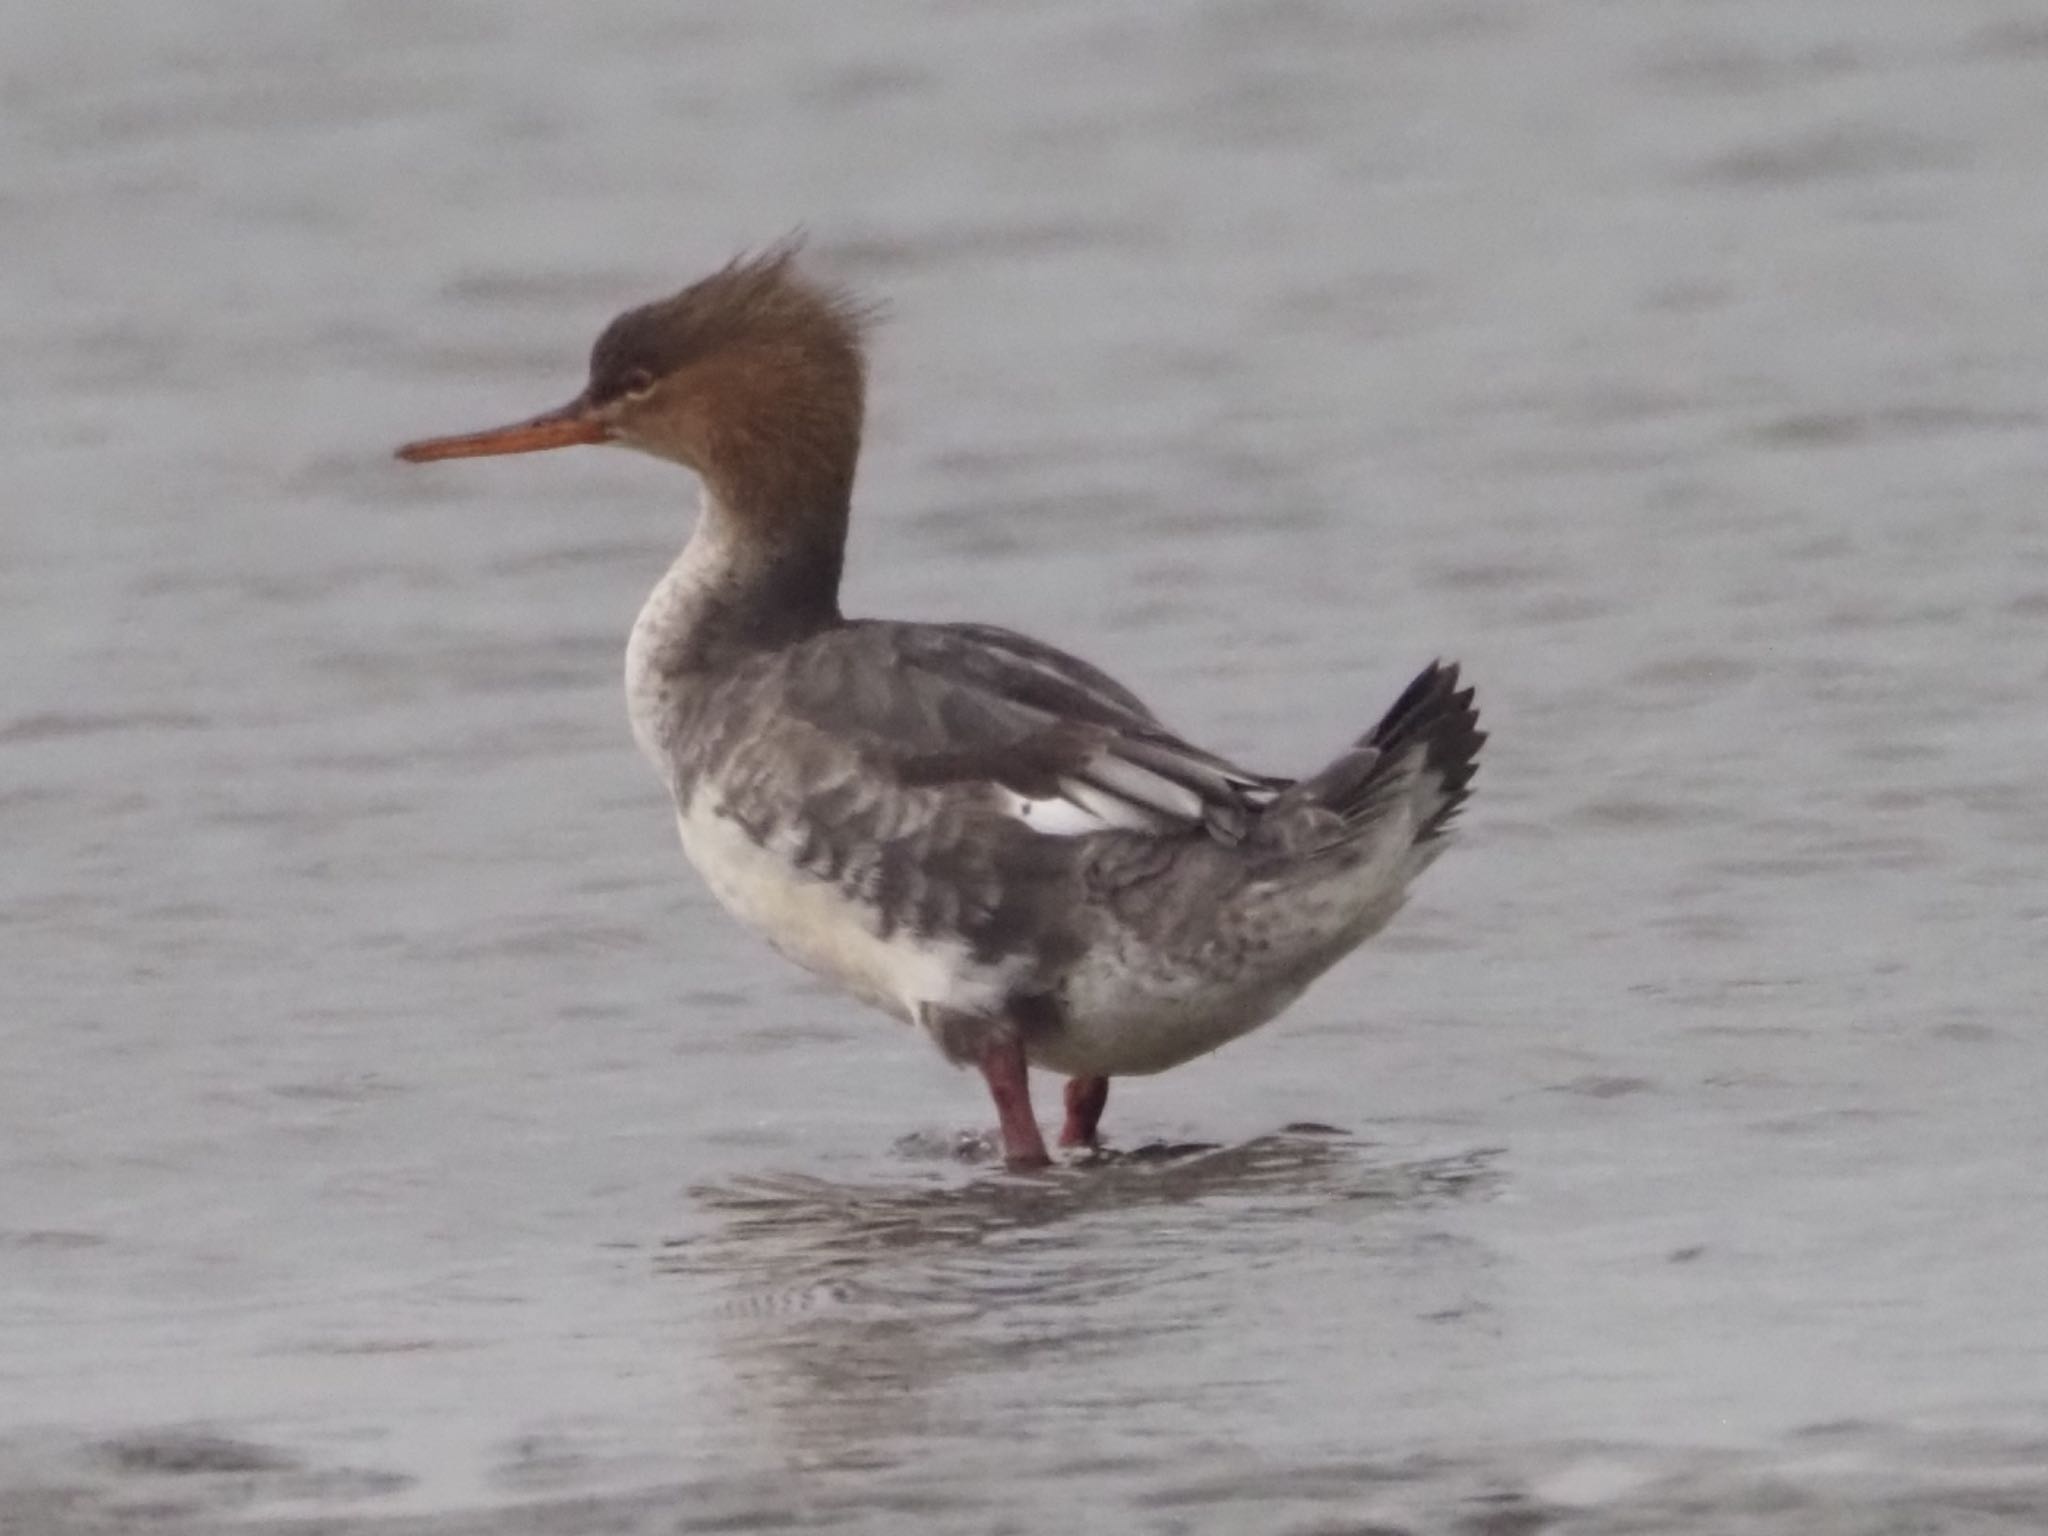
[{"x": 963, "y": 827}]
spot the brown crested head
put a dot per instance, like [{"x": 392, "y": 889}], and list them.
[{"x": 754, "y": 377}]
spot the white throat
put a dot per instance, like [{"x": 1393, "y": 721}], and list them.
[{"x": 667, "y": 621}]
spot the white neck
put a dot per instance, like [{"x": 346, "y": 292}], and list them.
[{"x": 668, "y": 621}]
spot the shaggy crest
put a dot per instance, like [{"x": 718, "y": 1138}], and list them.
[{"x": 760, "y": 303}]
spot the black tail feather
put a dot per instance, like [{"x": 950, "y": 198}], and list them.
[
  {"x": 1436, "y": 712},
  {"x": 1422, "y": 754},
  {"x": 1432, "y": 713}
]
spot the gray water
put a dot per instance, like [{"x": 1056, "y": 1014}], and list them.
[{"x": 391, "y": 1131}]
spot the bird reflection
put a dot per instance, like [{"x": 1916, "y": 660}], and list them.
[{"x": 855, "y": 1316}]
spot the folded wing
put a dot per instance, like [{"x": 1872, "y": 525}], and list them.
[{"x": 1031, "y": 731}]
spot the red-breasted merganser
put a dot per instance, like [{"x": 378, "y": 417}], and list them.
[{"x": 967, "y": 828}]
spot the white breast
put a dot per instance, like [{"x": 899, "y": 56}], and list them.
[{"x": 829, "y": 933}]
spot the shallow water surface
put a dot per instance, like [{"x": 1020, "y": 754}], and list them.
[{"x": 396, "y": 1137}]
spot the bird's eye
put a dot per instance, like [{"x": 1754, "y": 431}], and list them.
[{"x": 638, "y": 381}]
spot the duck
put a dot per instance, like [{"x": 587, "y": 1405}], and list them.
[{"x": 971, "y": 830}]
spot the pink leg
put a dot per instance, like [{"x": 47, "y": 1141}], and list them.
[
  {"x": 1085, "y": 1099},
  {"x": 1002, "y": 1064}
]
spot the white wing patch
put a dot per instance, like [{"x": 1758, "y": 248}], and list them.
[
  {"x": 1140, "y": 787},
  {"x": 1088, "y": 812},
  {"x": 1113, "y": 793},
  {"x": 1106, "y": 794}
]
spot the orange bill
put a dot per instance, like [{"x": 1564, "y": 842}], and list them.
[{"x": 564, "y": 428}]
